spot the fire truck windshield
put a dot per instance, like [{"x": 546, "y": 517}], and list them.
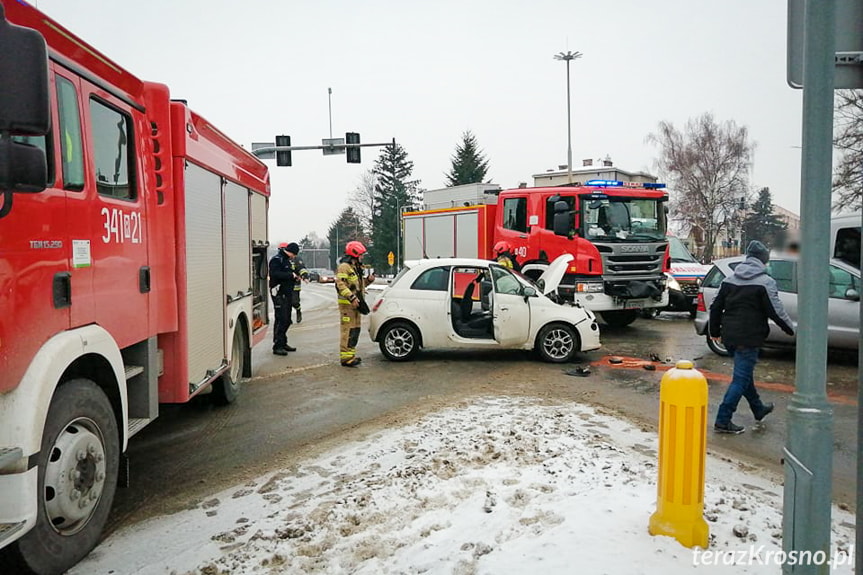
[{"x": 623, "y": 219}]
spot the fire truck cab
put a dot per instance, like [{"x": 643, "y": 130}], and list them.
[
  {"x": 133, "y": 239},
  {"x": 615, "y": 231}
]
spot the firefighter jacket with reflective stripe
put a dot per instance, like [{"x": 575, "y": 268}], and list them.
[
  {"x": 350, "y": 283},
  {"x": 300, "y": 270}
]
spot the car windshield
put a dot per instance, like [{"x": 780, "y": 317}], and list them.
[
  {"x": 623, "y": 219},
  {"x": 678, "y": 251}
]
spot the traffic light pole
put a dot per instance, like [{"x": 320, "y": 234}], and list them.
[{"x": 268, "y": 152}]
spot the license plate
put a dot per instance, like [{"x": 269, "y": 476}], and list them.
[{"x": 636, "y": 304}]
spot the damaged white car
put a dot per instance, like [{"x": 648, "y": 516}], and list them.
[{"x": 472, "y": 303}]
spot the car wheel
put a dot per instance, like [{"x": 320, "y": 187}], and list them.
[
  {"x": 227, "y": 387},
  {"x": 717, "y": 347},
  {"x": 77, "y": 479},
  {"x": 619, "y": 317},
  {"x": 399, "y": 341},
  {"x": 557, "y": 343}
]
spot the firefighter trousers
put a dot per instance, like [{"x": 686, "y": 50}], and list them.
[
  {"x": 349, "y": 331},
  {"x": 282, "y": 312}
]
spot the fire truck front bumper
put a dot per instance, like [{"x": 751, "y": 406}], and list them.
[
  {"x": 602, "y": 295},
  {"x": 18, "y": 499}
]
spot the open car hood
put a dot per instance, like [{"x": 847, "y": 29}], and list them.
[{"x": 551, "y": 278}]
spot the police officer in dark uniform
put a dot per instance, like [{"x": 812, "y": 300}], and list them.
[{"x": 282, "y": 281}]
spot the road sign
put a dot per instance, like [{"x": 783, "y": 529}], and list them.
[
  {"x": 391, "y": 258},
  {"x": 849, "y": 43},
  {"x": 333, "y": 146}
]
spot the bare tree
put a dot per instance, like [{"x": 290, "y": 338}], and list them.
[
  {"x": 707, "y": 168},
  {"x": 363, "y": 199},
  {"x": 848, "y": 140}
]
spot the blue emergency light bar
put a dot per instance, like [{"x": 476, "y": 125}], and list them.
[
  {"x": 603, "y": 183},
  {"x": 650, "y": 186}
]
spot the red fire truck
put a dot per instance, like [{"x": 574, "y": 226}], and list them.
[
  {"x": 616, "y": 232},
  {"x": 133, "y": 239}
]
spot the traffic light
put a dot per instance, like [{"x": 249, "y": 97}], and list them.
[
  {"x": 353, "y": 154},
  {"x": 283, "y": 158}
]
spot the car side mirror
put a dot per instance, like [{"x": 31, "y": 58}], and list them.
[
  {"x": 852, "y": 294},
  {"x": 528, "y": 292}
]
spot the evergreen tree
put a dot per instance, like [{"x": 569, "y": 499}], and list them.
[
  {"x": 762, "y": 224},
  {"x": 394, "y": 193},
  {"x": 346, "y": 228},
  {"x": 469, "y": 164}
]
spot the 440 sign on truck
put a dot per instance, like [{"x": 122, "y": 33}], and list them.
[
  {"x": 133, "y": 240},
  {"x": 615, "y": 231}
]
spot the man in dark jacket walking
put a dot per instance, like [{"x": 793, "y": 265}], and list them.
[
  {"x": 282, "y": 281},
  {"x": 739, "y": 316}
]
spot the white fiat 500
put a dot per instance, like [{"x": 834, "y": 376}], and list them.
[{"x": 472, "y": 303}]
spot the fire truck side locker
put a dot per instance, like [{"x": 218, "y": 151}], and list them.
[{"x": 451, "y": 232}]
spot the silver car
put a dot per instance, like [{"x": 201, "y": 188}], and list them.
[{"x": 843, "y": 311}]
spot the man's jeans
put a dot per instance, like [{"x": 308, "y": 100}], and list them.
[{"x": 742, "y": 384}]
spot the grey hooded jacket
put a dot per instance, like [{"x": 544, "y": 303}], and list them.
[{"x": 745, "y": 301}]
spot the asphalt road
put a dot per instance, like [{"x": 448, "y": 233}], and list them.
[{"x": 301, "y": 404}]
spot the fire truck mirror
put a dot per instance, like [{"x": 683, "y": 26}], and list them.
[
  {"x": 22, "y": 167},
  {"x": 563, "y": 222},
  {"x": 24, "y": 101}
]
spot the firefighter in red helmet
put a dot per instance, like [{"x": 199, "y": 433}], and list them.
[
  {"x": 350, "y": 287},
  {"x": 504, "y": 256}
]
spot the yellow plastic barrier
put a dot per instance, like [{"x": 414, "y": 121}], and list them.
[{"x": 682, "y": 454}]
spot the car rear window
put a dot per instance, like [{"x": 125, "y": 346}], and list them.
[{"x": 434, "y": 279}]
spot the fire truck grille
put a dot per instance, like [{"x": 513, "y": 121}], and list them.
[{"x": 648, "y": 263}]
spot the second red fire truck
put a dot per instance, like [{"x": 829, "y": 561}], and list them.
[
  {"x": 133, "y": 239},
  {"x": 616, "y": 232}
]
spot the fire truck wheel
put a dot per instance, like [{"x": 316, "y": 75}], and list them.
[
  {"x": 77, "y": 479},
  {"x": 619, "y": 317},
  {"x": 399, "y": 341},
  {"x": 227, "y": 387},
  {"x": 557, "y": 343}
]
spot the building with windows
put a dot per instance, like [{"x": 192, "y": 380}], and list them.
[{"x": 590, "y": 170}]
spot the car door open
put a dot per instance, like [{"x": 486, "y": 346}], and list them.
[{"x": 511, "y": 310}]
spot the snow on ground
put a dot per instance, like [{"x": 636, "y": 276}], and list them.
[{"x": 498, "y": 486}]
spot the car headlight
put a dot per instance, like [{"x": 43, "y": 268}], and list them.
[{"x": 672, "y": 284}]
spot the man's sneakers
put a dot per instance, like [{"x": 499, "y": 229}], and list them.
[
  {"x": 729, "y": 427},
  {"x": 352, "y": 362},
  {"x": 299, "y": 316},
  {"x": 280, "y": 351},
  {"x": 765, "y": 411}
]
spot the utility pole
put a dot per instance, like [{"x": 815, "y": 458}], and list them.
[{"x": 330, "y": 98}]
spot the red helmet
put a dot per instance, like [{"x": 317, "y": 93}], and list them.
[
  {"x": 355, "y": 249},
  {"x": 501, "y": 246}
]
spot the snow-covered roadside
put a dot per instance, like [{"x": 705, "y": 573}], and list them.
[{"x": 501, "y": 485}]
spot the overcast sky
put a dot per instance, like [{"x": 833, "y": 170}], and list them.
[{"x": 424, "y": 72}]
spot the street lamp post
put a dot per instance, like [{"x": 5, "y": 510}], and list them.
[{"x": 567, "y": 57}]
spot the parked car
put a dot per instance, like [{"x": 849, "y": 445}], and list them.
[
  {"x": 473, "y": 303},
  {"x": 326, "y": 276},
  {"x": 843, "y": 310}
]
